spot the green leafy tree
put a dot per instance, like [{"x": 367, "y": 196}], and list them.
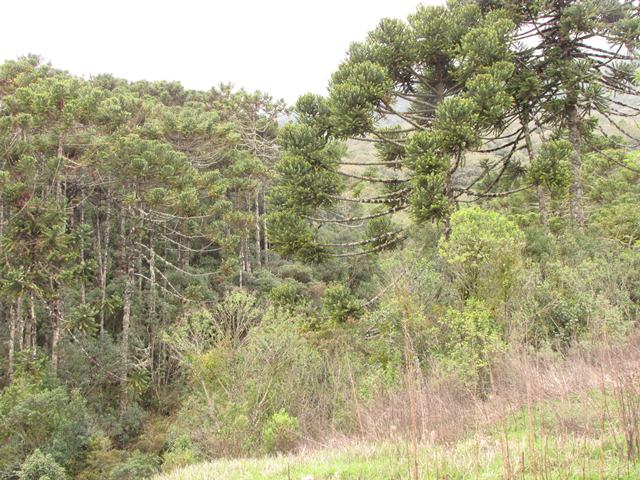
[
  {"x": 35, "y": 415},
  {"x": 469, "y": 340},
  {"x": 485, "y": 254},
  {"x": 40, "y": 466}
]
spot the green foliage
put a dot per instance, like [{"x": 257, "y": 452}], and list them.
[
  {"x": 551, "y": 167},
  {"x": 137, "y": 466},
  {"x": 35, "y": 415},
  {"x": 128, "y": 424},
  {"x": 340, "y": 304},
  {"x": 484, "y": 253},
  {"x": 355, "y": 89},
  {"x": 182, "y": 452},
  {"x": 280, "y": 432},
  {"x": 147, "y": 230},
  {"x": 292, "y": 237},
  {"x": 613, "y": 180},
  {"x": 238, "y": 389},
  {"x": 468, "y": 341},
  {"x": 290, "y": 294},
  {"x": 40, "y": 466}
]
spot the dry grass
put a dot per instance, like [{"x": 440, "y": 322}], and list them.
[
  {"x": 448, "y": 411},
  {"x": 546, "y": 416}
]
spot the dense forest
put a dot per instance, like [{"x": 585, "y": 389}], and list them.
[{"x": 449, "y": 237}]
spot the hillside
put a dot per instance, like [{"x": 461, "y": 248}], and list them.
[
  {"x": 432, "y": 271},
  {"x": 566, "y": 420}
]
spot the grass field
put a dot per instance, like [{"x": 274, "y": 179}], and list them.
[{"x": 581, "y": 437}]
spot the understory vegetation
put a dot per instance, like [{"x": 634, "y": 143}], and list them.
[{"x": 431, "y": 272}]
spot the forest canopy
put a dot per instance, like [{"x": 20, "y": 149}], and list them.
[{"x": 191, "y": 275}]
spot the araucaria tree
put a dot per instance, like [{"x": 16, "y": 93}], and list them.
[
  {"x": 448, "y": 99},
  {"x": 120, "y": 203},
  {"x": 580, "y": 59}
]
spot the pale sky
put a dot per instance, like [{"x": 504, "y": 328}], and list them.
[{"x": 283, "y": 47}]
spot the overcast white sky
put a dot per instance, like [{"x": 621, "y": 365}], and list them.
[{"x": 283, "y": 47}]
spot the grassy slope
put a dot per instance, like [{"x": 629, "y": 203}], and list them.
[{"x": 567, "y": 439}]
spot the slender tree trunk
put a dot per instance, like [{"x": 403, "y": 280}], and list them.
[
  {"x": 129, "y": 247},
  {"x": 241, "y": 255},
  {"x": 83, "y": 287},
  {"x": 439, "y": 90},
  {"x": 449, "y": 194},
  {"x": 126, "y": 324},
  {"x": 55, "y": 305},
  {"x": 58, "y": 183},
  {"x": 20, "y": 324},
  {"x": 56, "y": 317},
  {"x": 12, "y": 339},
  {"x": 245, "y": 260},
  {"x": 139, "y": 266},
  {"x": 152, "y": 311},
  {"x": 3, "y": 307},
  {"x": 103, "y": 258},
  {"x": 543, "y": 206},
  {"x": 577, "y": 213},
  {"x": 265, "y": 232},
  {"x": 163, "y": 354},
  {"x": 258, "y": 233},
  {"x": 33, "y": 327}
]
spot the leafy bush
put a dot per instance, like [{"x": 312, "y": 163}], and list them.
[
  {"x": 551, "y": 167},
  {"x": 137, "y": 466},
  {"x": 340, "y": 304},
  {"x": 237, "y": 389},
  {"x": 296, "y": 271},
  {"x": 181, "y": 453},
  {"x": 468, "y": 341},
  {"x": 40, "y": 466},
  {"x": 101, "y": 459},
  {"x": 289, "y": 295},
  {"x": 127, "y": 425},
  {"x": 484, "y": 253},
  {"x": 36, "y": 415},
  {"x": 280, "y": 433}
]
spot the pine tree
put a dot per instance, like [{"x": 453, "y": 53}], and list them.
[{"x": 425, "y": 93}]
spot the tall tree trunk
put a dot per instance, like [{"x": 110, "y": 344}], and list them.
[
  {"x": 439, "y": 91},
  {"x": 56, "y": 318},
  {"x": 152, "y": 311},
  {"x": 163, "y": 317},
  {"x": 58, "y": 183},
  {"x": 20, "y": 324},
  {"x": 55, "y": 304},
  {"x": 33, "y": 325},
  {"x": 139, "y": 266},
  {"x": 258, "y": 233},
  {"x": 129, "y": 245},
  {"x": 543, "y": 206},
  {"x": 126, "y": 324},
  {"x": 265, "y": 232},
  {"x": 577, "y": 213},
  {"x": 12, "y": 339},
  {"x": 103, "y": 237},
  {"x": 449, "y": 194},
  {"x": 83, "y": 287},
  {"x": 4, "y": 315},
  {"x": 242, "y": 265}
]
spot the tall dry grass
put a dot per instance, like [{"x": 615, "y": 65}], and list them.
[{"x": 442, "y": 409}]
